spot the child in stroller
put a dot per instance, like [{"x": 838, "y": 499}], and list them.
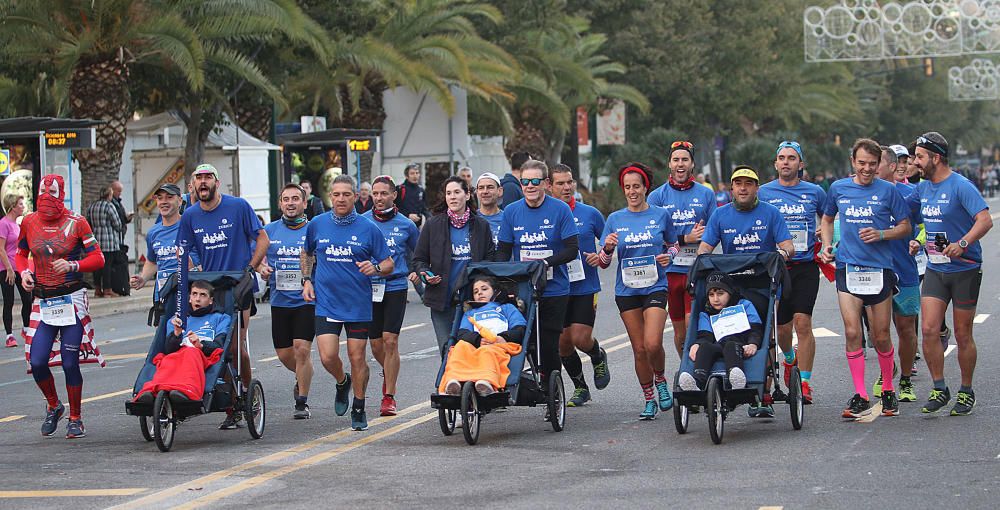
[
  {"x": 206, "y": 329},
  {"x": 489, "y": 334},
  {"x": 728, "y": 328}
]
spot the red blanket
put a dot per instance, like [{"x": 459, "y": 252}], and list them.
[{"x": 183, "y": 371}]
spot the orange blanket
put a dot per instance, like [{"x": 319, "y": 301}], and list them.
[{"x": 488, "y": 362}]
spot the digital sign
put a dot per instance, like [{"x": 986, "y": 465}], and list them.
[
  {"x": 70, "y": 139},
  {"x": 360, "y": 145}
]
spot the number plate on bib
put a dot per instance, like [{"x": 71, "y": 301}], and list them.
[
  {"x": 730, "y": 321},
  {"x": 58, "y": 311},
  {"x": 800, "y": 236},
  {"x": 289, "y": 280},
  {"x": 921, "y": 258},
  {"x": 934, "y": 255},
  {"x": 686, "y": 255},
  {"x": 378, "y": 291},
  {"x": 538, "y": 255},
  {"x": 639, "y": 272},
  {"x": 575, "y": 268},
  {"x": 863, "y": 280}
]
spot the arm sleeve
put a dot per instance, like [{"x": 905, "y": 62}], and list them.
[
  {"x": 504, "y": 252},
  {"x": 468, "y": 335},
  {"x": 571, "y": 247},
  {"x": 513, "y": 335}
]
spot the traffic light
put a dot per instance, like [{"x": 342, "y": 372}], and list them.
[{"x": 929, "y": 67}]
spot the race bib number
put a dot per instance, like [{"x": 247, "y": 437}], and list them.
[
  {"x": 58, "y": 311},
  {"x": 730, "y": 321},
  {"x": 538, "y": 255},
  {"x": 161, "y": 279},
  {"x": 800, "y": 236},
  {"x": 863, "y": 280},
  {"x": 575, "y": 268},
  {"x": 378, "y": 291},
  {"x": 493, "y": 319},
  {"x": 921, "y": 258},
  {"x": 639, "y": 272},
  {"x": 288, "y": 280},
  {"x": 934, "y": 255},
  {"x": 686, "y": 255}
]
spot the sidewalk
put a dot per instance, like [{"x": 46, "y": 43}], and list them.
[{"x": 139, "y": 300}]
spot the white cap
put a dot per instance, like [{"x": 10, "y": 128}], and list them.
[
  {"x": 900, "y": 151},
  {"x": 488, "y": 175}
]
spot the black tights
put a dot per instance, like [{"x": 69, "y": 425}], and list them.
[
  {"x": 8, "y": 302},
  {"x": 708, "y": 352}
]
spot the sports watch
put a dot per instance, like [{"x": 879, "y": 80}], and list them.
[{"x": 963, "y": 244}]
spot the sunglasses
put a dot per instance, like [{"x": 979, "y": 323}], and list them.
[
  {"x": 921, "y": 140},
  {"x": 533, "y": 182},
  {"x": 679, "y": 143}
]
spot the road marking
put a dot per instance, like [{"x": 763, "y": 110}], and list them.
[
  {"x": 771, "y": 508},
  {"x": 272, "y": 358},
  {"x": 136, "y": 355},
  {"x": 950, "y": 348},
  {"x": 304, "y": 463},
  {"x": 199, "y": 483},
  {"x": 11, "y": 418},
  {"x": 414, "y": 326},
  {"x": 421, "y": 354},
  {"x": 106, "y": 395},
  {"x": 823, "y": 333},
  {"x": 71, "y": 493},
  {"x": 981, "y": 318},
  {"x": 407, "y": 328}
]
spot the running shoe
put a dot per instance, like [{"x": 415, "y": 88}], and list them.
[
  {"x": 649, "y": 412},
  {"x": 343, "y": 392},
  {"x": 580, "y": 396},
  {"x": 52, "y": 417},
  {"x": 11, "y": 342},
  {"x": 877, "y": 387},
  {"x": 807, "y": 393},
  {"x": 664, "y": 396},
  {"x": 890, "y": 404},
  {"x": 765, "y": 411},
  {"x": 301, "y": 411},
  {"x": 453, "y": 387},
  {"x": 913, "y": 371},
  {"x": 687, "y": 383},
  {"x": 388, "y": 406},
  {"x": 906, "y": 393},
  {"x": 74, "y": 429},
  {"x": 857, "y": 407},
  {"x": 964, "y": 402},
  {"x": 936, "y": 401},
  {"x": 232, "y": 420},
  {"x": 359, "y": 420},
  {"x": 484, "y": 388},
  {"x": 737, "y": 379},
  {"x": 602, "y": 372}
]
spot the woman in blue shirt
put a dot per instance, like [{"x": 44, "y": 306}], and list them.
[{"x": 643, "y": 237}]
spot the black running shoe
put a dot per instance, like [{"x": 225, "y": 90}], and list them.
[
  {"x": 964, "y": 402},
  {"x": 890, "y": 404},
  {"x": 232, "y": 421},
  {"x": 602, "y": 372},
  {"x": 52, "y": 417},
  {"x": 936, "y": 401},
  {"x": 74, "y": 429},
  {"x": 857, "y": 407},
  {"x": 301, "y": 411},
  {"x": 340, "y": 402}
]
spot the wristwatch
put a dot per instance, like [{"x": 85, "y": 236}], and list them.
[
  {"x": 306, "y": 279},
  {"x": 963, "y": 244},
  {"x": 378, "y": 269}
]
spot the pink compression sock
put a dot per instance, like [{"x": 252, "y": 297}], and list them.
[
  {"x": 886, "y": 363},
  {"x": 856, "y": 362}
]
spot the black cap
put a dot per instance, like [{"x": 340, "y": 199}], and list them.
[
  {"x": 720, "y": 280},
  {"x": 934, "y": 142},
  {"x": 170, "y": 188}
]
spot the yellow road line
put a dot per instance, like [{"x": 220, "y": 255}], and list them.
[
  {"x": 272, "y": 358},
  {"x": 71, "y": 493},
  {"x": 136, "y": 355},
  {"x": 199, "y": 483},
  {"x": 12, "y": 418},
  {"x": 107, "y": 395}
]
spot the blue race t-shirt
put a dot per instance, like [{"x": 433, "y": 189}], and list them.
[
  {"x": 949, "y": 209},
  {"x": 758, "y": 230},
  {"x": 221, "y": 237},
  {"x": 872, "y": 206},
  {"x": 493, "y": 316},
  {"x": 495, "y": 220},
  {"x": 283, "y": 257},
  {"x": 685, "y": 208},
  {"x": 161, "y": 249},
  {"x": 538, "y": 233},
  {"x": 903, "y": 263},
  {"x": 461, "y": 254},
  {"x": 208, "y": 326},
  {"x": 800, "y": 205},
  {"x": 589, "y": 226},
  {"x": 641, "y": 237},
  {"x": 705, "y": 320},
  {"x": 343, "y": 293},
  {"x": 401, "y": 235}
]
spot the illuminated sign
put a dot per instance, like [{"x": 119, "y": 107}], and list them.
[
  {"x": 70, "y": 139},
  {"x": 4, "y": 162},
  {"x": 360, "y": 145}
]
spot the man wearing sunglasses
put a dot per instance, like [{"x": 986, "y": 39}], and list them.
[
  {"x": 955, "y": 217},
  {"x": 690, "y": 207},
  {"x": 540, "y": 227},
  {"x": 800, "y": 203}
]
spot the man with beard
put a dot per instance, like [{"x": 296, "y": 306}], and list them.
[
  {"x": 220, "y": 230},
  {"x": 956, "y": 218},
  {"x": 489, "y": 192}
]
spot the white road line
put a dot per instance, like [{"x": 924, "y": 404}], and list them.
[
  {"x": 981, "y": 318},
  {"x": 950, "y": 348},
  {"x": 414, "y": 326}
]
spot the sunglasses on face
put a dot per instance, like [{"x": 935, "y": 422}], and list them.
[
  {"x": 679, "y": 143},
  {"x": 924, "y": 141},
  {"x": 533, "y": 182}
]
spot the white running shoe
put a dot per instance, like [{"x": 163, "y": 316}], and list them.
[
  {"x": 484, "y": 388},
  {"x": 737, "y": 378},
  {"x": 687, "y": 383},
  {"x": 453, "y": 387}
]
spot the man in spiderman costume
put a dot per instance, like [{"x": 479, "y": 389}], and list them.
[{"x": 62, "y": 247}]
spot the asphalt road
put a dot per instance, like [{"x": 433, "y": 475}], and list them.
[{"x": 605, "y": 457}]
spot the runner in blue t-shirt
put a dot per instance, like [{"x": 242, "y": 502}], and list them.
[
  {"x": 800, "y": 203},
  {"x": 584, "y": 284},
  {"x": 872, "y": 213},
  {"x": 540, "y": 227},
  {"x": 644, "y": 239},
  {"x": 346, "y": 250},
  {"x": 955, "y": 217},
  {"x": 389, "y": 294},
  {"x": 161, "y": 242},
  {"x": 489, "y": 193},
  {"x": 292, "y": 319},
  {"x": 689, "y": 207},
  {"x": 220, "y": 229}
]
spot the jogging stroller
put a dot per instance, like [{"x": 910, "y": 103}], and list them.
[
  {"x": 159, "y": 415},
  {"x": 760, "y": 278},
  {"x": 525, "y": 281}
]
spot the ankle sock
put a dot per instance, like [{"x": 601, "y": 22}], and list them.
[
  {"x": 789, "y": 356},
  {"x": 647, "y": 391},
  {"x": 806, "y": 374},
  {"x": 301, "y": 400},
  {"x": 856, "y": 362},
  {"x": 886, "y": 363},
  {"x": 965, "y": 389},
  {"x": 658, "y": 377},
  {"x": 940, "y": 385},
  {"x": 359, "y": 404}
]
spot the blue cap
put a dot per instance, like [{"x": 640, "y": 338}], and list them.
[{"x": 789, "y": 144}]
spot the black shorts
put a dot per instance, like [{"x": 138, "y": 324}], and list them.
[
  {"x": 387, "y": 316},
  {"x": 581, "y": 310},
  {"x": 656, "y": 299},
  {"x": 888, "y": 287},
  {"x": 961, "y": 288},
  {"x": 289, "y": 324},
  {"x": 355, "y": 330},
  {"x": 801, "y": 297}
]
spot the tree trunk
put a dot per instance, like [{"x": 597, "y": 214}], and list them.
[
  {"x": 98, "y": 89},
  {"x": 194, "y": 145}
]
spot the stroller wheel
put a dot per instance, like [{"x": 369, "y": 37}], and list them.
[
  {"x": 470, "y": 413},
  {"x": 795, "y": 398},
  {"x": 446, "y": 419},
  {"x": 164, "y": 422},
  {"x": 715, "y": 409},
  {"x": 146, "y": 427},
  {"x": 255, "y": 409},
  {"x": 557, "y": 401},
  {"x": 681, "y": 416}
]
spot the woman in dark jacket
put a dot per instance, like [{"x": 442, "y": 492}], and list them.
[{"x": 453, "y": 237}]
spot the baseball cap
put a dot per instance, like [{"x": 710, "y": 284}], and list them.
[
  {"x": 170, "y": 188},
  {"x": 789, "y": 144},
  {"x": 206, "y": 168},
  {"x": 488, "y": 175},
  {"x": 744, "y": 171},
  {"x": 900, "y": 151}
]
